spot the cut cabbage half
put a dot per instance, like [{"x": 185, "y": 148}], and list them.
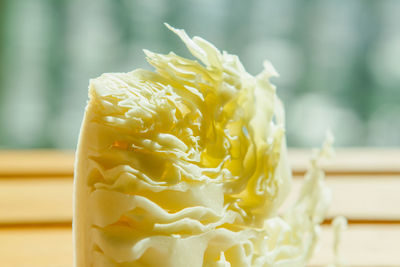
[{"x": 187, "y": 166}]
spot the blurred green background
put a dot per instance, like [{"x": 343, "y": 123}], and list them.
[{"x": 339, "y": 60}]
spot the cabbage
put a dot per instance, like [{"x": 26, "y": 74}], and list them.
[{"x": 187, "y": 166}]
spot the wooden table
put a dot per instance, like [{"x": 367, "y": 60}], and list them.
[{"x": 36, "y": 206}]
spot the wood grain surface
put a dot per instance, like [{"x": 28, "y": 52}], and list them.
[{"x": 36, "y": 206}]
